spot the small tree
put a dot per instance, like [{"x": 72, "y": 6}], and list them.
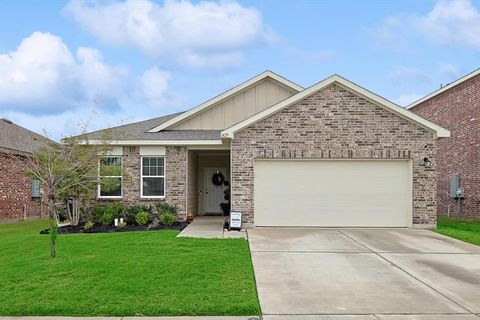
[{"x": 65, "y": 169}]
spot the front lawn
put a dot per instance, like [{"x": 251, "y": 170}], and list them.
[
  {"x": 468, "y": 231},
  {"x": 123, "y": 274}
]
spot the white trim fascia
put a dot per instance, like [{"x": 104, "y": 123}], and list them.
[
  {"x": 445, "y": 88},
  {"x": 402, "y": 112},
  {"x": 152, "y": 142},
  {"x": 225, "y": 95}
]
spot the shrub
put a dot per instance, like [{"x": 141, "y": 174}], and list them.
[
  {"x": 142, "y": 218},
  {"x": 97, "y": 212},
  {"x": 105, "y": 214},
  {"x": 131, "y": 212},
  {"x": 168, "y": 218},
  {"x": 88, "y": 225},
  {"x": 165, "y": 207},
  {"x": 122, "y": 225}
]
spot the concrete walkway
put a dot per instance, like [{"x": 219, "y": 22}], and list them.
[
  {"x": 210, "y": 227},
  {"x": 364, "y": 274}
]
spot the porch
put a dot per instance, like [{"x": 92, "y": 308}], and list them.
[
  {"x": 208, "y": 182},
  {"x": 210, "y": 227}
]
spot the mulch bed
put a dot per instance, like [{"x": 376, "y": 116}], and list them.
[{"x": 108, "y": 229}]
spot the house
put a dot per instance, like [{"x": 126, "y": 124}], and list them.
[
  {"x": 333, "y": 154},
  {"x": 19, "y": 195},
  {"x": 456, "y": 107}
]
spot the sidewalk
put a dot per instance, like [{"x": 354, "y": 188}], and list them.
[{"x": 210, "y": 227}]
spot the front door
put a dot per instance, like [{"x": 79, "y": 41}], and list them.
[{"x": 213, "y": 193}]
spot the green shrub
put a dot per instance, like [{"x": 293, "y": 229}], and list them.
[
  {"x": 105, "y": 214},
  {"x": 88, "y": 225},
  {"x": 121, "y": 225},
  {"x": 165, "y": 207},
  {"x": 131, "y": 212},
  {"x": 168, "y": 218},
  {"x": 142, "y": 218},
  {"x": 97, "y": 211}
]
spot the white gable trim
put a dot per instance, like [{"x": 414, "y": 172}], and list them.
[
  {"x": 445, "y": 88},
  {"x": 225, "y": 95},
  {"x": 402, "y": 112}
]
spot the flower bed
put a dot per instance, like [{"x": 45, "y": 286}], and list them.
[
  {"x": 115, "y": 217},
  {"x": 109, "y": 228}
]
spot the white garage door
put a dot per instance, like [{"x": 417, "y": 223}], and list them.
[{"x": 337, "y": 193}]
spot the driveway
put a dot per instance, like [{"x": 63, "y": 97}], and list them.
[{"x": 364, "y": 274}]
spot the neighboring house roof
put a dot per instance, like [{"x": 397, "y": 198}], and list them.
[
  {"x": 368, "y": 95},
  {"x": 137, "y": 132},
  {"x": 225, "y": 95},
  {"x": 16, "y": 139},
  {"x": 445, "y": 88}
]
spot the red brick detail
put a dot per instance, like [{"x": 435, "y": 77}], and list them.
[
  {"x": 16, "y": 200},
  {"x": 458, "y": 110}
]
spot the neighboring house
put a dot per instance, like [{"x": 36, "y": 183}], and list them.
[
  {"x": 456, "y": 107},
  {"x": 19, "y": 195},
  {"x": 333, "y": 154}
]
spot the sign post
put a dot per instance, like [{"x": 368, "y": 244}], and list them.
[{"x": 235, "y": 220}]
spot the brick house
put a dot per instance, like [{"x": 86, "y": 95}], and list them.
[
  {"x": 18, "y": 199},
  {"x": 333, "y": 154},
  {"x": 456, "y": 107}
]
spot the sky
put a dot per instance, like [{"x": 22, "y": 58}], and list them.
[{"x": 70, "y": 65}]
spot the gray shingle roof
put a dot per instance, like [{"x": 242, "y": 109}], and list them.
[
  {"x": 14, "y": 138},
  {"x": 139, "y": 131}
]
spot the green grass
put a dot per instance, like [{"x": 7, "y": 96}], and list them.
[
  {"x": 465, "y": 230},
  {"x": 123, "y": 274}
]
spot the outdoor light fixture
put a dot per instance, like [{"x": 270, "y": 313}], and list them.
[{"x": 426, "y": 163}]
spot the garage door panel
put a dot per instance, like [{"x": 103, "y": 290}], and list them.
[{"x": 332, "y": 193}]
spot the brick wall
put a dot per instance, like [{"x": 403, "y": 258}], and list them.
[
  {"x": 16, "y": 191},
  {"x": 175, "y": 175},
  {"x": 334, "y": 123},
  {"x": 458, "y": 110}
]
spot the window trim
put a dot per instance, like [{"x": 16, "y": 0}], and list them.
[
  {"x": 164, "y": 177},
  {"x": 99, "y": 196}
]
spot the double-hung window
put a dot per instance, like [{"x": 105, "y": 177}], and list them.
[
  {"x": 110, "y": 174},
  {"x": 153, "y": 177}
]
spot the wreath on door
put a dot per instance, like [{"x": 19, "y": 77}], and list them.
[{"x": 218, "y": 178}]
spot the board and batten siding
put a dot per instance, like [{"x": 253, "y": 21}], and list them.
[{"x": 238, "y": 107}]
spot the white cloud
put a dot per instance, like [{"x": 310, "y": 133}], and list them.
[
  {"x": 405, "y": 99},
  {"x": 449, "y": 23},
  {"x": 402, "y": 75},
  {"x": 454, "y": 22},
  {"x": 44, "y": 86},
  {"x": 43, "y": 76},
  {"x": 196, "y": 34},
  {"x": 153, "y": 87}
]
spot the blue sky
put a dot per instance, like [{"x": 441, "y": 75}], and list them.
[{"x": 104, "y": 63}]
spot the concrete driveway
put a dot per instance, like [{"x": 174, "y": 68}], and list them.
[{"x": 364, "y": 274}]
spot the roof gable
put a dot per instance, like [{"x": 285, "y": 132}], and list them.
[
  {"x": 368, "y": 95},
  {"x": 222, "y": 97},
  {"x": 445, "y": 88}
]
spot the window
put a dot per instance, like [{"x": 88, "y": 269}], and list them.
[
  {"x": 153, "y": 177},
  {"x": 110, "y": 174}
]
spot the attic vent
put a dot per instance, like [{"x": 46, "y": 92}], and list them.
[{"x": 7, "y": 121}]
